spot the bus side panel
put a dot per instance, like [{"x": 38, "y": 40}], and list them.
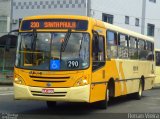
[
  {"x": 133, "y": 71},
  {"x": 130, "y": 77},
  {"x": 98, "y": 92},
  {"x": 148, "y": 83},
  {"x": 113, "y": 72},
  {"x": 146, "y": 69}
]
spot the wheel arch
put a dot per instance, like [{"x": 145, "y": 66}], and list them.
[
  {"x": 143, "y": 82},
  {"x": 111, "y": 87}
]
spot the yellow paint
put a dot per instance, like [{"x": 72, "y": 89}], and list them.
[
  {"x": 112, "y": 72},
  {"x": 98, "y": 92},
  {"x": 124, "y": 89}
]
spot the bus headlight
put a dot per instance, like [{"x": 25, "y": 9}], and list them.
[
  {"x": 81, "y": 82},
  {"x": 18, "y": 80}
]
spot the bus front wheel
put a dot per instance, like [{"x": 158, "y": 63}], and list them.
[{"x": 51, "y": 104}]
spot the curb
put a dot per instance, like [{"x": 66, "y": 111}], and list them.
[{"x": 8, "y": 83}]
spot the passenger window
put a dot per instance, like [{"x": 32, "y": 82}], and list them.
[
  {"x": 112, "y": 44},
  {"x": 101, "y": 49},
  {"x": 149, "y": 51},
  {"x": 133, "y": 52},
  {"x": 157, "y": 58},
  {"x": 148, "y": 46},
  {"x": 141, "y": 44},
  {"x": 123, "y": 46},
  {"x": 141, "y": 49},
  {"x": 112, "y": 38},
  {"x": 123, "y": 40},
  {"x": 132, "y": 42}
]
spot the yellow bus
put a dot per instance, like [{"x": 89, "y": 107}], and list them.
[
  {"x": 80, "y": 59},
  {"x": 157, "y": 71}
]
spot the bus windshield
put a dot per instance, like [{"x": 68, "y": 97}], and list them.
[{"x": 43, "y": 51}]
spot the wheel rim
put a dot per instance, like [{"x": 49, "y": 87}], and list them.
[
  {"x": 107, "y": 94},
  {"x": 140, "y": 90}
]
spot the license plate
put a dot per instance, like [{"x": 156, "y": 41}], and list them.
[{"x": 47, "y": 91}]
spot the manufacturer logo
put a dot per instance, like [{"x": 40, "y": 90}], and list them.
[{"x": 48, "y": 84}]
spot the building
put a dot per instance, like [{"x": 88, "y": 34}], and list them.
[
  {"x": 138, "y": 15},
  {"x": 5, "y": 13},
  {"x": 6, "y": 57},
  {"x": 152, "y": 20}
]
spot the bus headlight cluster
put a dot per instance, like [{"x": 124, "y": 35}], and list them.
[
  {"x": 18, "y": 80},
  {"x": 81, "y": 82}
]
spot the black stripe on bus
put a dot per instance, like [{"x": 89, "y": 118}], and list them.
[
  {"x": 49, "y": 81},
  {"x": 49, "y": 77},
  {"x": 120, "y": 80},
  {"x": 99, "y": 82},
  {"x": 132, "y": 79}
]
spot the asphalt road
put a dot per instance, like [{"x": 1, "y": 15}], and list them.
[{"x": 118, "y": 107}]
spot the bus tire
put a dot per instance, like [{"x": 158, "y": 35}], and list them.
[
  {"x": 51, "y": 104},
  {"x": 138, "y": 94}
]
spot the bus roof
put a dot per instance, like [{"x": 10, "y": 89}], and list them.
[
  {"x": 123, "y": 30},
  {"x": 129, "y": 32}
]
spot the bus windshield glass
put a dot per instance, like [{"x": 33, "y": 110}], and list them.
[{"x": 43, "y": 51}]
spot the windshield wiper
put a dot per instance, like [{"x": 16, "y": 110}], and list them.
[
  {"x": 64, "y": 44},
  {"x": 80, "y": 46},
  {"x": 34, "y": 36},
  {"x": 33, "y": 45}
]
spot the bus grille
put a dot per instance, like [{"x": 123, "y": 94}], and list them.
[
  {"x": 50, "y": 79},
  {"x": 55, "y": 94}
]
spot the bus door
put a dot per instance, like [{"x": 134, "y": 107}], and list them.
[{"x": 98, "y": 85}]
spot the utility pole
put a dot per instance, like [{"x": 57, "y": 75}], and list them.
[
  {"x": 11, "y": 14},
  {"x": 143, "y": 16},
  {"x": 89, "y": 8}
]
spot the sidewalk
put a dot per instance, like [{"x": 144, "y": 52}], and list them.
[
  {"x": 6, "y": 88},
  {"x": 6, "y": 85},
  {"x": 6, "y": 78}
]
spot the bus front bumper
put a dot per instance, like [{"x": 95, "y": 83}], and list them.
[{"x": 72, "y": 94}]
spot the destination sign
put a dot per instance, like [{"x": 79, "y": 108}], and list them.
[{"x": 54, "y": 24}]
